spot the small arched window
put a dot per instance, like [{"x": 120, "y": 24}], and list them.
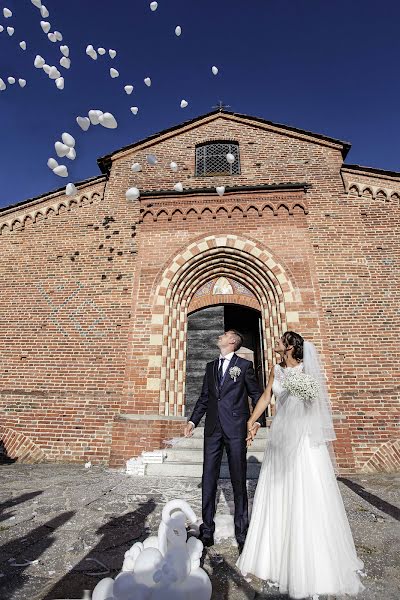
[{"x": 211, "y": 159}]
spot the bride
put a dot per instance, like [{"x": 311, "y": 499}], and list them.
[{"x": 299, "y": 536}]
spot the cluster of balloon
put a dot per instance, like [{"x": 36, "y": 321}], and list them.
[{"x": 163, "y": 567}]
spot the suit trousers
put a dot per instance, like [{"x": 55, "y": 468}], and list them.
[{"x": 236, "y": 453}]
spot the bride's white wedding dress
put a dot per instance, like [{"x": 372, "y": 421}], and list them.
[{"x": 299, "y": 536}]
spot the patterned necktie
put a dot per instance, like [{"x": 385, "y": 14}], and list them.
[{"x": 220, "y": 372}]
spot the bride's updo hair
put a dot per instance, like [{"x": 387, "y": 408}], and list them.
[{"x": 291, "y": 338}]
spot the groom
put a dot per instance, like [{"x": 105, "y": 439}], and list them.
[{"x": 228, "y": 381}]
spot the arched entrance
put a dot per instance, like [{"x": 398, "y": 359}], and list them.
[
  {"x": 176, "y": 296},
  {"x": 203, "y": 328}
]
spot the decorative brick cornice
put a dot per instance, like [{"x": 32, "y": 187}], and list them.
[
  {"x": 232, "y": 204},
  {"x": 18, "y": 221}
]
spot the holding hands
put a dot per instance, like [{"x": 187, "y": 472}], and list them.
[
  {"x": 189, "y": 429},
  {"x": 252, "y": 429}
]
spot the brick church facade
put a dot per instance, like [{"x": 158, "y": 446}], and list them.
[{"x": 107, "y": 303}]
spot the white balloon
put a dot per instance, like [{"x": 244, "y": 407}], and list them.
[
  {"x": 101, "y": 51},
  {"x": 65, "y": 62},
  {"x": 108, "y": 120},
  {"x": 22, "y": 45},
  {"x": 64, "y": 50},
  {"x": 94, "y": 116},
  {"x": 22, "y": 82},
  {"x": 197, "y": 586},
  {"x": 83, "y": 122},
  {"x": 214, "y": 70},
  {"x": 230, "y": 158},
  {"x": 178, "y": 30},
  {"x": 46, "y": 69},
  {"x": 220, "y": 190},
  {"x": 153, "y": 6},
  {"x": 184, "y": 103},
  {"x": 178, "y": 560},
  {"x": 90, "y": 51},
  {"x": 104, "y": 589},
  {"x": 112, "y": 53},
  {"x": 151, "y": 542},
  {"x": 52, "y": 163},
  {"x": 44, "y": 12},
  {"x": 71, "y": 190},
  {"x": 61, "y": 149},
  {"x": 61, "y": 171},
  {"x": 45, "y": 25},
  {"x": 2, "y": 85},
  {"x": 11, "y": 80},
  {"x": 132, "y": 194},
  {"x": 60, "y": 83},
  {"x": 71, "y": 154},
  {"x": 68, "y": 140},
  {"x": 114, "y": 73},
  {"x": 37, "y": 3},
  {"x": 54, "y": 73},
  {"x": 124, "y": 586},
  {"x": 151, "y": 159},
  {"x": 134, "y": 110},
  {"x": 128, "y": 89},
  {"x": 147, "y": 563},
  {"x": 147, "y": 81},
  {"x": 174, "y": 166},
  {"x": 10, "y": 30},
  {"x": 178, "y": 187},
  {"x": 1, "y": 28},
  {"x": 52, "y": 37},
  {"x": 172, "y": 592},
  {"x": 136, "y": 167},
  {"x": 7, "y": 13},
  {"x": 58, "y": 35}
]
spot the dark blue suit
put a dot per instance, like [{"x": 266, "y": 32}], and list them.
[{"x": 226, "y": 407}]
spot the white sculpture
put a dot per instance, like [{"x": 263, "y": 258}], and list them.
[{"x": 163, "y": 567}]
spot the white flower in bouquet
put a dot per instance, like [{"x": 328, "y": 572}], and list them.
[
  {"x": 234, "y": 372},
  {"x": 303, "y": 386}
]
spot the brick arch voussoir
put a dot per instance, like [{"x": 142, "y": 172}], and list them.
[
  {"x": 386, "y": 459},
  {"x": 19, "y": 446},
  {"x": 182, "y": 258}
]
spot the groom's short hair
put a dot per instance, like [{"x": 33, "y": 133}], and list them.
[{"x": 238, "y": 338}]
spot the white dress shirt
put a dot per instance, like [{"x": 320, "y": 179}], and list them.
[{"x": 227, "y": 359}]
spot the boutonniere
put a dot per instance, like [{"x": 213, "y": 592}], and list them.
[{"x": 234, "y": 372}]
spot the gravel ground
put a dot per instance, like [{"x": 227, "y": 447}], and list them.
[{"x": 75, "y": 524}]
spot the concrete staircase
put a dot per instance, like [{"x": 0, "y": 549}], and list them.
[{"x": 185, "y": 458}]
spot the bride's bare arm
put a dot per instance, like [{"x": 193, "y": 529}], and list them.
[{"x": 263, "y": 402}]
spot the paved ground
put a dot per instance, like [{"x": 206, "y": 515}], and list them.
[{"x": 66, "y": 518}]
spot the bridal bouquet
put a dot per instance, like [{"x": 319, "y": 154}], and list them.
[{"x": 303, "y": 386}]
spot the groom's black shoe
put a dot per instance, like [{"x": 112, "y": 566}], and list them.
[
  {"x": 240, "y": 547},
  {"x": 207, "y": 540}
]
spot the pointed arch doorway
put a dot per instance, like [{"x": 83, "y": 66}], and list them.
[{"x": 203, "y": 328}]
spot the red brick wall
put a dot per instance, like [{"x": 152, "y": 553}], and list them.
[{"x": 64, "y": 384}]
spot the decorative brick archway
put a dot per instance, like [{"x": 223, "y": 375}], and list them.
[{"x": 226, "y": 255}]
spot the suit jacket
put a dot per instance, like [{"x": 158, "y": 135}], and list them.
[{"x": 230, "y": 402}]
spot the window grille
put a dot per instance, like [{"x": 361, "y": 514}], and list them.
[{"x": 211, "y": 159}]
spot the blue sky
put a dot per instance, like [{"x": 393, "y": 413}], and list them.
[{"x": 328, "y": 66}]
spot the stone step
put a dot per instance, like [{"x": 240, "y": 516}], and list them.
[
  {"x": 186, "y": 469},
  {"x": 197, "y": 443},
  {"x": 195, "y": 455},
  {"x": 263, "y": 432}
]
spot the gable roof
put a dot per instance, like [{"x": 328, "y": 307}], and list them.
[{"x": 104, "y": 162}]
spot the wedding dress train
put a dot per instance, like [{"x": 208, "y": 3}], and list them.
[{"x": 299, "y": 536}]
